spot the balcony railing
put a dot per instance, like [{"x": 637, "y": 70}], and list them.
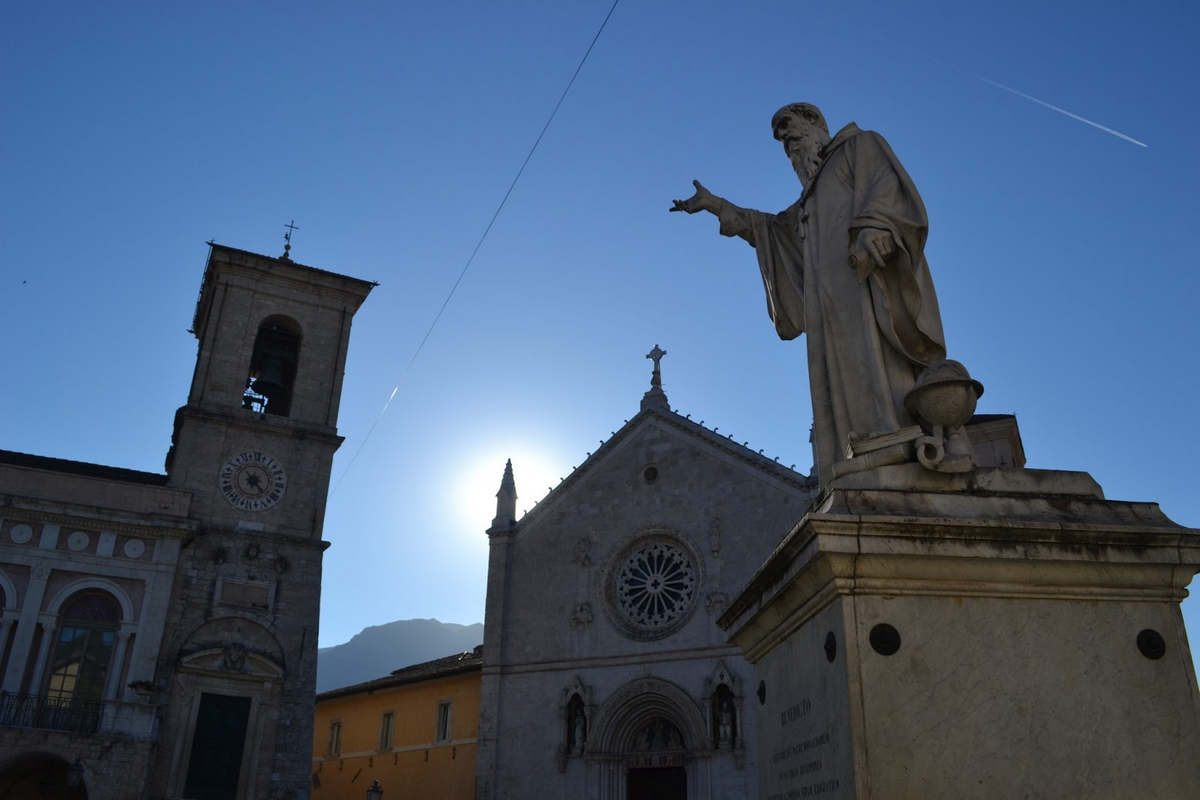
[
  {"x": 39, "y": 711},
  {"x": 138, "y": 720}
]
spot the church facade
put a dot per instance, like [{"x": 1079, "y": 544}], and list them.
[
  {"x": 160, "y": 630},
  {"x": 604, "y": 673}
]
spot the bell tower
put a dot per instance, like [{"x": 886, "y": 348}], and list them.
[
  {"x": 256, "y": 439},
  {"x": 254, "y": 446}
]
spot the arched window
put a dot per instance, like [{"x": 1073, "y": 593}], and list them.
[
  {"x": 273, "y": 367},
  {"x": 83, "y": 648}
]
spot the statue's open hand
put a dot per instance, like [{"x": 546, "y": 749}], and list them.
[
  {"x": 702, "y": 200},
  {"x": 878, "y": 244}
]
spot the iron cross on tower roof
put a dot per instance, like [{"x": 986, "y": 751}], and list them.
[{"x": 287, "y": 240}]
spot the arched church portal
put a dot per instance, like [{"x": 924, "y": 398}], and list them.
[{"x": 651, "y": 743}]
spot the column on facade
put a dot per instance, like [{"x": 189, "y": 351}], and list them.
[
  {"x": 31, "y": 605},
  {"x": 7, "y": 621},
  {"x": 112, "y": 687},
  {"x": 50, "y": 625}
]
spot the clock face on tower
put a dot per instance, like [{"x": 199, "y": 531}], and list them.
[{"x": 252, "y": 481}]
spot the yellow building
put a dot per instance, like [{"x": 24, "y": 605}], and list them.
[{"x": 414, "y": 731}]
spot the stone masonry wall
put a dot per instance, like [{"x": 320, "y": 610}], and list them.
[{"x": 114, "y": 767}]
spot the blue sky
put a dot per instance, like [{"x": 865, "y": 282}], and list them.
[{"x": 1063, "y": 256}]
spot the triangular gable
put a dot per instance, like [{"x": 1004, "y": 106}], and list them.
[{"x": 706, "y": 439}]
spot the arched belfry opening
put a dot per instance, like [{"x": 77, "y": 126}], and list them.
[{"x": 273, "y": 367}]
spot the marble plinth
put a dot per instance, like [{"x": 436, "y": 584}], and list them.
[{"x": 1002, "y": 634}]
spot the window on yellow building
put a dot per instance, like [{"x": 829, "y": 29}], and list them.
[
  {"x": 335, "y": 738},
  {"x": 443, "y": 722},
  {"x": 385, "y": 730}
]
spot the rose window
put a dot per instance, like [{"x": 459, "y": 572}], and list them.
[{"x": 656, "y": 586}]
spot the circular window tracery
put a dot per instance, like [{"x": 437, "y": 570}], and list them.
[{"x": 655, "y": 586}]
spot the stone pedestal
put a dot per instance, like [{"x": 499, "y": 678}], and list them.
[{"x": 1007, "y": 633}]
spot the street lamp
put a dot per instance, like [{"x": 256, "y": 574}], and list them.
[{"x": 375, "y": 791}]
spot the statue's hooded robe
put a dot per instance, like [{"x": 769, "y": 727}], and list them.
[{"x": 868, "y": 339}]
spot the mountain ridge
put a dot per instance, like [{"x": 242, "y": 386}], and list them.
[{"x": 378, "y": 650}]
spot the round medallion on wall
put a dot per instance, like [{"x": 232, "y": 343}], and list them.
[
  {"x": 134, "y": 548},
  {"x": 653, "y": 585},
  {"x": 252, "y": 481},
  {"x": 78, "y": 540},
  {"x": 21, "y": 533}
]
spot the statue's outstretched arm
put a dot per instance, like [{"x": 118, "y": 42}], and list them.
[
  {"x": 734, "y": 219},
  {"x": 702, "y": 200}
]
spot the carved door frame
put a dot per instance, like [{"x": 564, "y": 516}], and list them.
[{"x": 611, "y": 753}]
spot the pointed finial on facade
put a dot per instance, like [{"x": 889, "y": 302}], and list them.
[
  {"x": 287, "y": 240},
  {"x": 506, "y": 500},
  {"x": 656, "y": 397}
]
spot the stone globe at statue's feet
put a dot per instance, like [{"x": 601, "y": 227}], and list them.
[
  {"x": 943, "y": 399},
  {"x": 944, "y": 394}
]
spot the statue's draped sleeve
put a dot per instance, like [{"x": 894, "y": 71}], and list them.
[
  {"x": 779, "y": 260},
  {"x": 902, "y": 293}
]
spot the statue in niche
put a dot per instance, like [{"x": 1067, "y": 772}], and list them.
[
  {"x": 725, "y": 730},
  {"x": 576, "y": 726},
  {"x": 845, "y": 264},
  {"x": 577, "y": 732},
  {"x": 723, "y": 717}
]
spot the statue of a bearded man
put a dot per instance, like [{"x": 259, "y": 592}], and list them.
[{"x": 846, "y": 265}]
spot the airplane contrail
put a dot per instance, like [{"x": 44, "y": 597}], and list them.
[{"x": 1118, "y": 134}]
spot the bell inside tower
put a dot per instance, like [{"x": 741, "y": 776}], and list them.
[{"x": 273, "y": 367}]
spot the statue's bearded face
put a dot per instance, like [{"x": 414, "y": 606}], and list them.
[{"x": 802, "y": 141}]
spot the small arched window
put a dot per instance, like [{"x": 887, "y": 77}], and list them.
[
  {"x": 83, "y": 648},
  {"x": 273, "y": 367}
]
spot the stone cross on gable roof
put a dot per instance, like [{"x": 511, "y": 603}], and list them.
[
  {"x": 656, "y": 355},
  {"x": 656, "y": 398}
]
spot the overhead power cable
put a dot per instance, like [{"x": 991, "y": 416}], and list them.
[{"x": 478, "y": 244}]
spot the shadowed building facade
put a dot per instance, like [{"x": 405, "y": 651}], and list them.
[
  {"x": 414, "y": 731},
  {"x": 160, "y": 630}
]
